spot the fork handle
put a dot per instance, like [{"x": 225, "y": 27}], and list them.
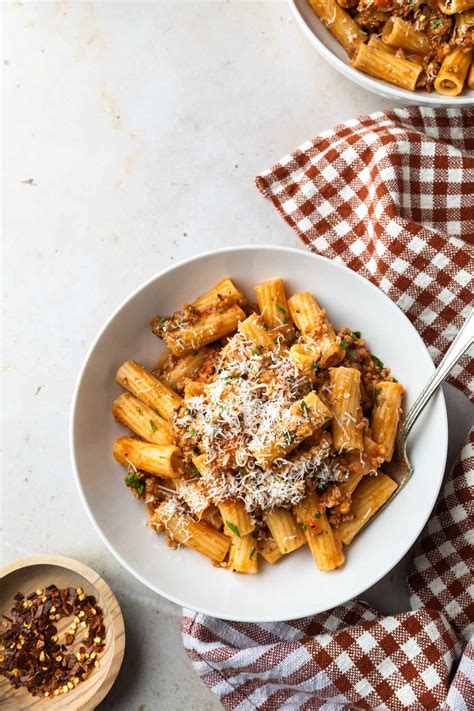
[{"x": 463, "y": 341}]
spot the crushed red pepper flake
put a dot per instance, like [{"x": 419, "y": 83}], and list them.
[{"x": 31, "y": 654}]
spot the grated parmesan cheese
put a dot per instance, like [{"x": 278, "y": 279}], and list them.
[{"x": 243, "y": 410}]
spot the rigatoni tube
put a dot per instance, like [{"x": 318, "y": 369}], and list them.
[
  {"x": 141, "y": 383},
  {"x": 347, "y": 411},
  {"x": 383, "y": 65},
  {"x": 141, "y": 419},
  {"x": 386, "y": 416},
  {"x": 400, "y": 33},
  {"x": 315, "y": 328},
  {"x": 274, "y": 310},
  {"x": 223, "y": 291},
  {"x": 368, "y": 497},
  {"x": 339, "y": 23},
  {"x": 322, "y": 539},
  {"x": 306, "y": 357},
  {"x": 269, "y": 550},
  {"x": 326, "y": 547},
  {"x": 243, "y": 555},
  {"x": 253, "y": 328},
  {"x": 198, "y": 535},
  {"x": 160, "y": 460},
  {"x": 205, "y": 330},
  {"x": 284, "y": 529},
  {"x": 453, "y": 73},
  {"x": 237, "y": 521}
]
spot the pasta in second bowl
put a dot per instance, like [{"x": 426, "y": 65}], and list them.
[
  {"x": 372, "y": 53},
  {"x": 295, "y": 586}
]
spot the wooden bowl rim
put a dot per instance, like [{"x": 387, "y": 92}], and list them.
[{"x": 113, "y": 612}]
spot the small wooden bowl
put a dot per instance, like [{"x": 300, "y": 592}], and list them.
[{"x": 39, "y": 571}]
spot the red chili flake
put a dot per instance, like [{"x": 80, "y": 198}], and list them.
[{"x": 31, "y": 654}]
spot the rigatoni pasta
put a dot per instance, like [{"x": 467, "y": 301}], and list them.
[
  {"x": 141, "y": 383},
  {"x": 161, "y": 460},
  {"x": 274, "y": 310},
  {"x": 383, "y": 65},
  {"x": 386, "y": 416},
  {"x": 339, "y": 23},
  {"x": 141, "y": 419},
  {"x": 276, "y": 437},
  {"x": 368, "y": 497},
  {"x": 402, "y": 34},
  {"x": 284, "y": 529},
  {"x": 198, "y": 535},
  {"x": 243, "y": 555},
  {"x": 453, "y": 73},
  {"x": 315, "y": 328},
  {"x": 237, "y": 521},
  {"x": 346, "y": 407}
]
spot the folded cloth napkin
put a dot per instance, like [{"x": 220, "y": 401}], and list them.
[{"x": 390, "y": 195}]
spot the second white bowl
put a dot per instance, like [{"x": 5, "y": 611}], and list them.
[{"x": 332, "y": 52}]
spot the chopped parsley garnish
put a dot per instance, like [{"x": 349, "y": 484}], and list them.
[
  {"x": 357, "y": 334},
  {"x": 265, "y": 327},
  {"x": 134, "y": 482},
  {"x": 280, "y": 308},
  {"x": 192, "y": 432},
  {"x": 377, "y": 361},
  {"x": 303, "y": 526},
  {"x": 252, "y": 553},
  {"x": 315, "y": 364},
  {"x": 436, "y": 23},
  {"x": 233, "y": 528},
  {"x": 139, "y": 410},
  {"x": 285, "y": 321},
  {"x": 162, "y": 321},
  {"x": 192, "y": 469},
  {"x": 351, "y": 355},
  {"x": 394, "y": 380},
  {"x": 304, "y": 406},
  {"x": 376, "y": 396},
  {"x": 228, "y": 378},
  {"x": 317, "y": 515},
  {"x": 255, "y": 352},
  {"x": 289, "y": 438},
  {"x": 344, "y": 345},
  {"x": 153, "y": 426},
  {"x": 321, "y": 486}
]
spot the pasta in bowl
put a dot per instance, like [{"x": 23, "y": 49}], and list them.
[
  {"x": 263, "y": 442},
  {"x": 295, "y": 586},
  {"x": 418, "y": 52}
]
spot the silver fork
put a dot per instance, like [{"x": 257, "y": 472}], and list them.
[{"x": 400, "y": 468}]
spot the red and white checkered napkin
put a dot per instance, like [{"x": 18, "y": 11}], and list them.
[{"x": 391, "y": 196}]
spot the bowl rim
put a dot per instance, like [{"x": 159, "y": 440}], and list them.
[
  {"x": 197, "y": 258},
  {"x": 377, "y": 86}
]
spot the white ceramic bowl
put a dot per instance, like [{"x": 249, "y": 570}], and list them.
[
  {"x": 330, "y": 50},
  {"x": 294, "y": 587}
]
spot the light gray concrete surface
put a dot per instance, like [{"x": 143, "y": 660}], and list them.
[{"x": 132, "y": 133}]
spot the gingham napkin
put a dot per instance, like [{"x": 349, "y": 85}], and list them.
[{"x": 391, "y": 196}]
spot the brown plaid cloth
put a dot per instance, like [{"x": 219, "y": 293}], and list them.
[{"x": 391, "y": 196}]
